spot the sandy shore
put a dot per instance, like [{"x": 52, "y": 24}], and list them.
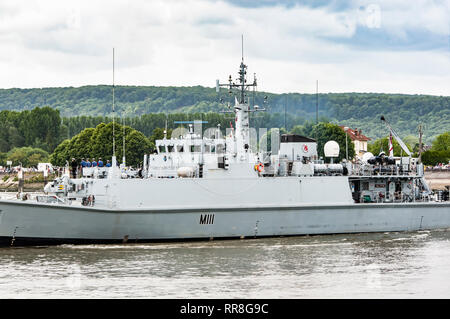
[
  {"x": 437, "y": 179},
  {"x": 34, "y": 182}
]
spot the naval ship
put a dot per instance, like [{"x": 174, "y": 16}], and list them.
[{"x": 207, "y": 185}]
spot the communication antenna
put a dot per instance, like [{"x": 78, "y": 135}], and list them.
[
  {"x": 165, "y": 129},
  {"x": 420, "y": 142},
  {"x": 285, "y": 106},
  {"x": 242, "y": 46},
  {"x": 113, "y": 109},
  {"x": 317, "y": 101},
  {"x": 123, "y": 134}
]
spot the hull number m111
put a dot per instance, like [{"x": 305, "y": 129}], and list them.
[{"x": 206, "y": 219}]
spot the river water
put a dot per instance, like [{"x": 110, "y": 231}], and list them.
[{"x": 382, "y": 265}]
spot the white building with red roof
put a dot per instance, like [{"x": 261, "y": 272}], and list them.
[{"x": 358, "y": 139}]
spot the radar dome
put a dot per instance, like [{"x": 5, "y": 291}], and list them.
[{"x": 331, "y": 149}]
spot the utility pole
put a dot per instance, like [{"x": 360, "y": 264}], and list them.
[
  {"x": 346, "y": 143},
  {"x": 420, "y": 143},
  {"x": 285, "y": 106},
  {"x": 317, "y": 101}
]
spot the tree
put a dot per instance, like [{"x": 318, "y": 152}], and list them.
[
  {"x": 435, "y": 157},
  {"x": 303, "y": 130},
  {"x": 27, "y": 156},
  {"x": 442, "y": 142},
  {"x": 61, "y": 154},
  {"x": 298, "y": 130},
  {"x": 98, "y": 143},
  {"x": 3, "y": 157},
  {"x": 41, "y": 127},
  {"x": 412, "y": 141},
  {"x": 158, "y": 134},
  {"x": 38, "y": 128},
  {"x": 383, "y": 144}
]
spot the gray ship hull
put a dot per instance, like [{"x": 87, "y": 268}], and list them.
[{"x": 23, "y": 223}]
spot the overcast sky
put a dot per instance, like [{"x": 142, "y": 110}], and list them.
[{"x": 355, "y": 46}]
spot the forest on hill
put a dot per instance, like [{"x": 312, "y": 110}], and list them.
[{"x": 356, "y": 110}]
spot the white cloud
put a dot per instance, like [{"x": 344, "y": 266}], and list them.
[{"x": 53, "y": 43}]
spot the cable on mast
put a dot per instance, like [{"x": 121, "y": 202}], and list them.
[
  {"x": 123, "y": 129},
  {"x": 113, "y": 109}
]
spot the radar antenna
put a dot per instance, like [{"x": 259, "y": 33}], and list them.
[{"x": 240, "y": 87}]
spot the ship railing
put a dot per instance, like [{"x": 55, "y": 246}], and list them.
[
  {"x": 379, "y": 170},
  {"x": 8, "y": 195},
  {"x": 97, "y": 172},
  {"x": 400, "y": 197},
  {"x": 50, "y": 199},
  {"x": 20, "y": 195}
]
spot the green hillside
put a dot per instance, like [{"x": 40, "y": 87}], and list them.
[{"x": 361, "y": 110}]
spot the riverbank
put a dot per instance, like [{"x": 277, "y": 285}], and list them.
[
  {"x": 437, "y": 180},
  {"x": 33, "y": 182}
]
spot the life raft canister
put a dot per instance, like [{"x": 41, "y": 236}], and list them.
[{"x": 259, "y": 167}]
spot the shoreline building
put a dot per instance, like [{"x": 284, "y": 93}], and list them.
[{"x": 358, "y": 139}]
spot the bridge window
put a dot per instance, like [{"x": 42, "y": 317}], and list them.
[
  {"x": 162, "y": 148},
  {"x": 196, "y": 148}
]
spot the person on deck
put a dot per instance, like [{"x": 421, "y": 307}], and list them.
[{"x": 74, "y": 166}]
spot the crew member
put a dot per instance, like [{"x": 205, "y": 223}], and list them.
[{"x": 74, "y": 166}]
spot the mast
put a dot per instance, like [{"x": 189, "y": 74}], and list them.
[
  {"x": 123, "y": 138},
  {"x": 113, "y": 109},
  {"x": 113, "y": 159},
  {"x": 317, "y": 101},
  {"x": 241, "y": 106},
  {"x": 420, "y": 143},
  {"x": 285, "y": 106}
]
